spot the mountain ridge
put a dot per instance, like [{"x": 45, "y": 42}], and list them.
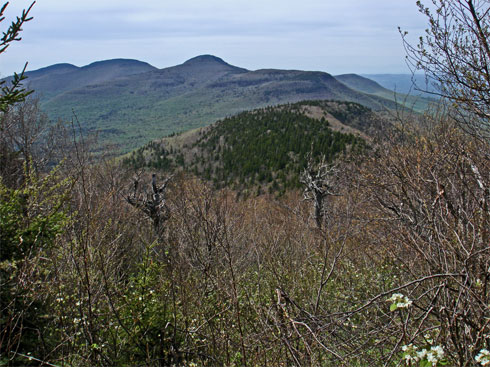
[
  {"x": 54, "y": 80},
  {"x": 128, "y": 102}
]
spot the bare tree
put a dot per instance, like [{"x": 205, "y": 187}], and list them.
[
  {"x": 152, "y": 203},
  {"x": 318, "y": 180},
  {"x": 455, "y": 56}
]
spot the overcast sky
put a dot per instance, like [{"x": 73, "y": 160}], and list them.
[{"x": 336, "y": 36}]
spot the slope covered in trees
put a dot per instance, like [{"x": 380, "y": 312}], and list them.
[{"x": 265, "y": 149}]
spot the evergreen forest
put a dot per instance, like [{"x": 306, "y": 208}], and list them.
[{"x": 263, "y": 150}]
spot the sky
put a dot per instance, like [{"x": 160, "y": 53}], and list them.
[{"x": 336, "y": 36}]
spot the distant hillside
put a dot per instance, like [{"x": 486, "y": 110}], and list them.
[
  {"x": 366, "y": 85},
  {"x": 129, "y": 103},
  {"x": 403, "y": 83},
  {"x": 264, "y": 149},
  {"x": 360, "y": 83}
]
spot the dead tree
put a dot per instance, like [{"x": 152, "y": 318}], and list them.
[
  {"x": 152, "y": 203},
  {"x": 318, "y": 180}
]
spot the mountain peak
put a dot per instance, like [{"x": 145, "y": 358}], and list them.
[
  {"x": 118, "y": 62},
  {"x": 205, "y": 59}
]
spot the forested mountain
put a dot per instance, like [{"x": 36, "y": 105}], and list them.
[
  {"x": 129, "y": 103},
  {"x": 264, "y": 149}
]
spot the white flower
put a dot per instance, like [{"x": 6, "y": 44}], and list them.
[
  {"x": 422, "y": 354},
  {"x": 483, "y": 357},
  {"x": 409, "y": 348},
  {"x": 438, "y": 351},
  {"x": 395, "y": 297},
  {"x": 432, "y": 355},
  {"x": 399, "y": 301},
  {"x": 428, "y": 338},
  {"x": 410, "y": 353},
  {"x": 409, "y": 358},
  {"x": 432, "y": 358},
  {"x": 404, "y": 303}
]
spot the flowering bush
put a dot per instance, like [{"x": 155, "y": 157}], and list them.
[{"x": 428, "y": 356}]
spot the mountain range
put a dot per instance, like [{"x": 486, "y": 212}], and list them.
[{"x": 129, "y": 102}]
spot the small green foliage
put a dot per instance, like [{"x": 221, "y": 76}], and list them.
[
  {"x": 146, "y": 328},
  {"x": 31, "y": 218},
  {"x": 13, "y": 93}
]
